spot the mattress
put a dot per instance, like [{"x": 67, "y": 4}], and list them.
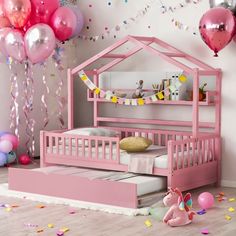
[
  {"x": 159, "y": 162},
  {"x": 145, "y": 184}
]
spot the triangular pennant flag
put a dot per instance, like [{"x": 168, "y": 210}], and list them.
[
  {"x": 114, "y": 99},
  {"x": 160, "y": 95},
  {"x": 134, "y": 102},
  {"x": 172, "y": 88},
  {"x": 178, "y": 84},
  {"x": 127, "y": 102},
  {"x": 102, "y": 94},
  {"x": 108, "y": 96},
  {"x": 140, "y": 101},
  {"x": 183, "y": 78},
  {"x": 167, "y": 92},
  {"x": 154, "y": 98},
  {"x": 97, "y": 91}
]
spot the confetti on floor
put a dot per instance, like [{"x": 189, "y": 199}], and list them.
[
  {"x": 50, "y": 226},
  {"x": 201, "y": 212},
  {"x": 231, "y": 209},
  {"x": 60, "y": 233},
  {"x": 232, "y": 199},
  {"x": 228, "y": 217},
  {"x": 8, "y": 209},
  {"x": 204, "y": 231},
  {"x": 40, "y": 206},
  {"x": 148, "y": 223},
  {"x": 64, "y": 229},
  {"x": 39, "y": 230}
]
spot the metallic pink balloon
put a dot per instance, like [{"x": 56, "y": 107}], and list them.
[
  {"x": 63, "y": 22},
  {"x": 17, "y": 11},
  {"x": 4, "y": 22},
  {"x": 3, "y": 34},
  {"x": 39, "y": 42},
  {"x": 42, "y": 10},
  {"x": 15, "y": 46},
  {"x": 217, "y": 28}
]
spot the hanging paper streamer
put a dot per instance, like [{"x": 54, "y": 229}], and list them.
[
  {"x": 44, "y": 97},
  {"x": 181, "y": 26},
  {"x": 57, "y": 57},
  {"x": 125, "y": 24},
  {"x": 14, "y": 108},
  {"x": 28, "y": 84},
  {"x": 108, "y": 95}
]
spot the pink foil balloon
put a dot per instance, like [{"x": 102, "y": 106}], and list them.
[
  {"x": 3, "y": 34},
  {"x": 42, "y": 10},
  {"x": 17, "y": 11},
  {"x": 12, "y": 138},
  {"x": 63, "y": 22},
  {"x": 4, "y": 22},
  {"x": 39, "y": 42},
  {"x": 15, "y": 46},
  {"x": 217, "y": 27}
]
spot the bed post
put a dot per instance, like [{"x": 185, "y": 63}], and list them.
[
  {"x": 95, "y": 102},
  {"x": 195, "y": 112},
  {"x": 218, "y": 145},
  {"x": 70, "y": 90}
]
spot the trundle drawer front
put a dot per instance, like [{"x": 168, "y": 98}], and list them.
[{"x": 61, "y": 184}]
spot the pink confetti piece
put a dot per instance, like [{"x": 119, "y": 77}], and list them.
[
  {"x": 72, "y": 212},
  {"x": 201, "y": 212},
  {"x": 30, "y": 225},
  {"x": 60, "y": 233},
  {"x": 204, "y": 231}
]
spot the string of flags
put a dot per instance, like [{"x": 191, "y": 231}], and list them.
[{"x": 109, "y": 96}]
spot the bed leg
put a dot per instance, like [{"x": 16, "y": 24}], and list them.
[
  {"x": 218, "y": 151},
  {"x": 42, "y": 160},
  {"x": 169, "y": 181}
]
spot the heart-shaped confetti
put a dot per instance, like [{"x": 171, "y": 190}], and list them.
[{"x": 204, "y": 231}]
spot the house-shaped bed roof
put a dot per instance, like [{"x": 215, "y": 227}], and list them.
[{"x": 169, "y": 54}]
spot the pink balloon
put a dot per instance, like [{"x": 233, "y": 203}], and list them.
[
  {"x": 4, "y": 21},
  {"x": 3, "y": 34},
  {"x": 5, "y": 146},
  {"x": 24, "y": 159},
  {"x": 43, "y": 10},
  {"x": 15, "y": 46},
  {"x": 79, "y": 20},
  {"x": 39, "y": 42},
  {"x": 17, "y": 11},
  {"x": 205, "y": 200},
  {"x": 12, "y": 138},
  {"x": 63, "y": 22},
  {"x": 217, "y": 27}
]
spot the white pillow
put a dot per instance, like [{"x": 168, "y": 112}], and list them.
[{"x": 90, "y": 132}]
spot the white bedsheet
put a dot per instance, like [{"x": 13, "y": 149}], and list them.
[{"x": 160, "y": 162}]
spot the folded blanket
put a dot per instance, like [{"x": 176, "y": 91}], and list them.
[{"x": 143, "y": 162}]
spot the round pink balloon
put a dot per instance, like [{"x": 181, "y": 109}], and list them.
[
  {"x": 63, "y": 22},
  {"x": 17, "y": 11},
  {"x": 5, "y": 146},
  {"x": 217, "y": 28},
  {"x": 43, "y": 10},
  {"x": 3, "y": 34},
  {"x": 24, "y": 159},
  {"x": 205, "y": 200},
  {"x": 4, "y": 21},
  {"x": 39, "y": 42},
  {"x": 12, "y": 138},
  {"x": 15, "y": 46}
]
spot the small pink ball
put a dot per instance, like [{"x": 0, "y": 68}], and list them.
[
  {"x": 12, "y": 138},
  {"x": 205, "y": 200},
  {"x": 24, "y": 159}
]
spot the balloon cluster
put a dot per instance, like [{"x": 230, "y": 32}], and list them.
[
  {"x": 217, "y": 26},
  {"x": 29, "y": 28},
  {"x": 8, "y": 143}
]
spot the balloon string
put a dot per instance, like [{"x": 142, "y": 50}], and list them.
[
  {"x": 28, "y": 108},
  {"x": 44, "y": 96},
  {"x": 14, "y": 114}
]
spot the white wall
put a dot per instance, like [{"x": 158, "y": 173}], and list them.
[{"x": 162, "y": 27}]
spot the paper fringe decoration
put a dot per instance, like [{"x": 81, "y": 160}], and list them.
[
  {"x": 14, "y": 108},
  {"x": 108, "y": 95},
  {"x": 44, "y": 97}
]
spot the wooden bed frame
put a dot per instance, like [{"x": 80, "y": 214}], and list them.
[{"x": 194, "y": 157}]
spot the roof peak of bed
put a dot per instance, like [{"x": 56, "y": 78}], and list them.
[{"x": 144, "y": 43}]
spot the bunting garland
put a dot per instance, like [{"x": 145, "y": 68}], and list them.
[{"x": 109, "y": 96}]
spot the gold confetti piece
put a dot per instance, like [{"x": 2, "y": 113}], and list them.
[
  {"x": 231, "y": 209},
  {"x": 39, "y": 230},
  {"x": 8, "y": 209},
  {"x": 232, "y": 200},
  {"x": 227, "y": 217},
  {"x": 50, "y": 226},
  {"x": 64, "y": 229},
  {"x": 40, "y": 206},
  {"x": 148, "y": 223}
]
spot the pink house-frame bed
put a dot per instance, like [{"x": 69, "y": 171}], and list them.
[{"x": 194, "y": 157}]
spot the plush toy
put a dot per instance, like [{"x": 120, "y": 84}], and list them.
[
  {"x": 179, "y": 213},
  {"x": 139, "y": 90}
]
